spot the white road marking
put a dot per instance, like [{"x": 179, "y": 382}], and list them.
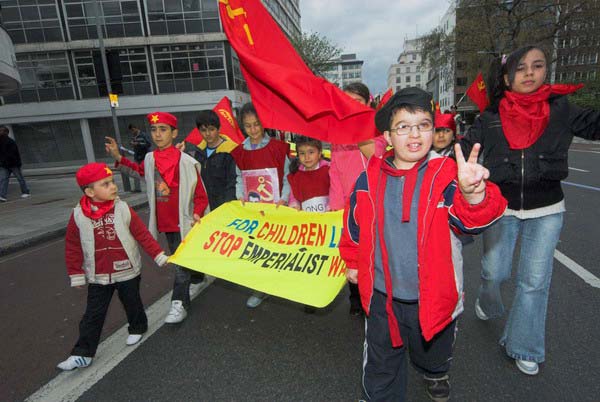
[
  {"x": 579, "y": 170},
  {"x": 70, "y": 385},
  {"x": 584, "y": 151},
  {"x": 30, "y": 250},
  {"x": 568, "y": 183},
  {"x": 577, "y": 269}
]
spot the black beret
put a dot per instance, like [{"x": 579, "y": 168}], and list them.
[{"x": 407, "y": 96}]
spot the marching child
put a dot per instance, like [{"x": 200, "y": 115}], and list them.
[
  {"x": 213, "y": 153},
  {"x": 176, "y": 196},
  {"x": 444, "y": 137},
  {"x": 261, "y": 163},
  {"x": 309, "y": 177},
  {"x": 399, "y": 245},
  {"x": 101, "y": 251}
]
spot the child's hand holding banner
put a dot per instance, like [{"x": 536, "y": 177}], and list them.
[{"x": 279, "y": 251}]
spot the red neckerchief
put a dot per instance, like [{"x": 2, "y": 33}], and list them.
[
  {"x": 167, "y": 163},
  {"x": 407, "y": 194},
  {"x": 95, "y": 210},
  {"x": 524, "y": 117}
]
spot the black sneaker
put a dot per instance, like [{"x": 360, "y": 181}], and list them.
[{"x": 438, "y": 389}]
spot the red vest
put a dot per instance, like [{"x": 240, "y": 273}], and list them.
[
  {"x": 273, "y": 155},
  {"x": 309, "y": 184}
]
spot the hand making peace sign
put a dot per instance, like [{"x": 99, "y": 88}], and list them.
[{"x": 471, "y": 175}]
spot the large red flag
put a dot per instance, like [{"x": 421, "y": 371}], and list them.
[
  {"x": 285, "y": 93},
  {"x": 478, "y": 94},
  {"x": 229, "y": 126}
]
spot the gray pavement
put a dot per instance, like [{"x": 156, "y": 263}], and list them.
[{"x": 45, "y": 214}]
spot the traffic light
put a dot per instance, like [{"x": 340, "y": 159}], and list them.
[{"x": 114, "y": 72}]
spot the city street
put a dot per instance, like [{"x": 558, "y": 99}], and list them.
[{"x": 277, "y": 352}]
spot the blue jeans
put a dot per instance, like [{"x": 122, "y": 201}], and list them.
[
  {"x": 5, "y": 175},
  {"x": 525, "y": 328}
]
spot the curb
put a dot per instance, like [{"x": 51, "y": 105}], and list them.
[{"x": 49, "y": 233}]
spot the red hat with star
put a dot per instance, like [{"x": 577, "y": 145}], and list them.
[
  {"x": 92, "y": 172},
  {"x": 162, "y": 117}
]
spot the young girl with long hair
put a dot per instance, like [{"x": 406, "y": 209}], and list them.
[{"x": 525, "y": 136}]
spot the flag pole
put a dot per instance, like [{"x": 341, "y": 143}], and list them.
[{"x": 460, "y": 100}]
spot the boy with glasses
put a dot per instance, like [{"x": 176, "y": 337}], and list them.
[{"x": 399, "y": 245}]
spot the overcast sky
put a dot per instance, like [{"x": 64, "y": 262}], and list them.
[{"x": 373, "y": 29}]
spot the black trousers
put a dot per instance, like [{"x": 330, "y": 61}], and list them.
[
  {"x": 98, "y": 300},
  {"x": 384, "y": 367},
  {"x": 183, "y": 276}
]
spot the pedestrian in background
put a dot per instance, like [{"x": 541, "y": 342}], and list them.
[
  {"x": 525, "y": 137},
  {"x": 101, "y": 251},
  {"x": 10, "y": 163},
  {"x": 141, "y": 143}
]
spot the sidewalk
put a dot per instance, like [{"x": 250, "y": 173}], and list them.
[{"x": 44, "y": 215}]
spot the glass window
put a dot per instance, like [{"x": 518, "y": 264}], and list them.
[
  {"x": 121, "y": 18},
  {"x": 41, "y": 75},
  {"x": 58, "y": 143},
  {"x": 184, "y": 68}
]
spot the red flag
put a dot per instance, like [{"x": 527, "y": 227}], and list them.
[
  {"x": 478, "y": 94},
  {"x": 285, "y": 93},
  {"x": 229, "y": 126},
  {"x": 384, "y": 98}
]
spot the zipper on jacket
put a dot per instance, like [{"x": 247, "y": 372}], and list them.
[{"x": 522, "y": 176}]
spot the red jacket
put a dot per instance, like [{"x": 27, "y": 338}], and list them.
[{"x": 442, "y": 209}]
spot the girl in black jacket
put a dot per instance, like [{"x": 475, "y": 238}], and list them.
[{"x": 525, "y": 136}]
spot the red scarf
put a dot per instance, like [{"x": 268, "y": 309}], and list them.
[
  {"x": 409, "y": 183},
  {"x": 524, "y": 117},
  {"x": 167, "y": 164},
  {"x": 95, "y": 210},
  {"x": 407, "y": 194}
]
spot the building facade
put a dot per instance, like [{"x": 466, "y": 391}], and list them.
[
  {"x": 345, "y": 70},
  {"x": 410, "y": 69},
  {"x": 169, "y": 55}
]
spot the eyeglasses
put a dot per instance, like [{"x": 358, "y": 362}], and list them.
[{"x": 405, "y": 129}]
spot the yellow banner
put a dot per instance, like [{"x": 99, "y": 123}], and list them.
[{"x": 279, "y": 251}]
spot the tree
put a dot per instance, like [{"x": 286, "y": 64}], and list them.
[
  {"x": 588, "y": 96},
  {"x": 489, "y": 28},
  {"x": 317, "y": 51}
]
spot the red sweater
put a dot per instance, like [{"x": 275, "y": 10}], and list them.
[
  {"x": 273, "y": 155},
  {"x": 108, "y": 248},
  {"x": 167, "y": 198}
]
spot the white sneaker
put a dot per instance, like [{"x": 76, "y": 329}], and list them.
[
  {"x": 256, "y": 299},
  {"x": 479, "y": 312},
  {"x": 74, "y": 362},
  {"x": 2, "y": 199},
  {"x": 25, "y": 195},
  {"x": 177, "y": 313},
  {"x": 527, "y": 367},
  {"x": 132, "y": 339}
]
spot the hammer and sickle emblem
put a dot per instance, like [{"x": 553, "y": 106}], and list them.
[
  {"x": 481, "y": 85},
  {"x": 227, "y": 116},
  {"x": 261, "y": 189},
  {"x": 232, "y": 13}
]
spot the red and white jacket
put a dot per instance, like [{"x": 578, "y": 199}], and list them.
[
  {"x": 105, "y": 250},
  {"x": 442, "y": 212}
]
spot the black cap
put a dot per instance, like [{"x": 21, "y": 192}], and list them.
[{"x": 407, "y": 96}]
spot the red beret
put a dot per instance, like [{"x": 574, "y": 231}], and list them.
[
  {"x": 162, "y": 117},
  {"x": 445, "y": 120},
  {"x": 92, "y": 172}
]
